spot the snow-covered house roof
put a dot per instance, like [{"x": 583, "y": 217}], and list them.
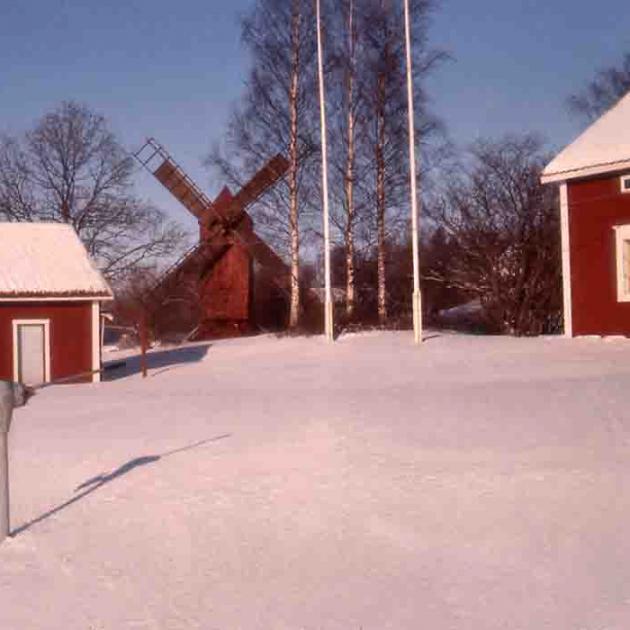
[
  {"x": 603, "y": 148},
  {"x": 47, "y": 260}
]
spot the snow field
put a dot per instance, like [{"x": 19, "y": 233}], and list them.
[{"x": 475, "y": 482}]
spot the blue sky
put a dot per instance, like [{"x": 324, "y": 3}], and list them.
[{"x": 172, "y": 69}]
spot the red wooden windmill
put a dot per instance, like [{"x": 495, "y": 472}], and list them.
[{"x": 213, "y": 287}]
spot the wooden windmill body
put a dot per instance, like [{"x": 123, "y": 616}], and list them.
[{"x": 231, "y": 282}]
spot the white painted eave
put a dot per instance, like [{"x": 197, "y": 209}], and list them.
[
  {"x": 604, "y": 147},
  {"x": 47, "y": 260},
  {"x": 582, "y": 173},
  {"x": 56, "y": 298}
]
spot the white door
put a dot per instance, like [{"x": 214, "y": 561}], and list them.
[{"x": 31, "y": 353}]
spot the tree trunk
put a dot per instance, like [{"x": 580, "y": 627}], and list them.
[
  {"x": 294, "y": 312},
  {"x": 380, "y": 199},
  {"x": 349, "y": 231}
]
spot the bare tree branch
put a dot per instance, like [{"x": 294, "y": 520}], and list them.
[{"x": 71, "y": 169}]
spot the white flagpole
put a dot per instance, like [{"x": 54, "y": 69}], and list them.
[
  {"x": 417, "y": 297},
  {"x": 328, "y": 304}
]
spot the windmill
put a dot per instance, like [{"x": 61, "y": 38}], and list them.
[{"x": 218, "y": 274}]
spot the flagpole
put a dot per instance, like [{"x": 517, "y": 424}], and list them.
[
  {"x": 328, "y": 304},
  {"x": 417, "y": 296}
]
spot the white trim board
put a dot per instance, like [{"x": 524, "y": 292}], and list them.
[
  {"x": 587, "y": 171},
  {"x": 86, "y": 298},
  {"x": 602, "y": 148},
  {"x": 566, "y": 261},
  {"x": 47, "y": 356}
]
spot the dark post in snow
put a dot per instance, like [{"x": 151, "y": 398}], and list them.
[
  {"x": 12, "y": 395},
  {"x": 143, "y": 342}
]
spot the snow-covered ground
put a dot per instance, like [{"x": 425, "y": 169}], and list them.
[{"x": 472, "y": 483}]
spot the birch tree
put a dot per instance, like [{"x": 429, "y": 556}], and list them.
[
  {"x": 345, "y": 113},
  {"x": 350, "y": 165},
  {"x": 366, "y": 93},
  {"x": 381, "y": 89},
  {"x": 276, "y": 115},
  {"x": 384, "y": 86},
  {"x": 294, "y": 125},
  {"x": 350, "y": 157}
]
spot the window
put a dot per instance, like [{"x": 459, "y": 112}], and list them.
[
  {"x": 625, "y": 183},
  {"x": 622, "y": 252}
]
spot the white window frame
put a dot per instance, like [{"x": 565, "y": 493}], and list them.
[
  {"x": 622, "y": 183},
  {"x": 622, "y": 236},
  {"x": 31, "y": 322}
]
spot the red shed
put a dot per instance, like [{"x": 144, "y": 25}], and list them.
[
  {"x": 594, "y": 177},
  {"x": 50, "y": 302}
]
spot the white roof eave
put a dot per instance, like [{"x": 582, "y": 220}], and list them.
[
  {"x": 549, "y": 177},
  {"x": 602, "y": 148},
  {"x": 47, "y": 261}
]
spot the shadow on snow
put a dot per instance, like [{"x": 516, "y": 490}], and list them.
[
  {"x": 93, "y": 484},
  {"x": 161, "y": 360}
]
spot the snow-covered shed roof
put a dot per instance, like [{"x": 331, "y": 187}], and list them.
[
  {"x": 47, "y": 260},
  {"x": 603, "y": 148}
]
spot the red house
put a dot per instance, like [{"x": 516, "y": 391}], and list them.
[
  {"x": 594, "y": 177},
  {"x": 50, "y": 299}
]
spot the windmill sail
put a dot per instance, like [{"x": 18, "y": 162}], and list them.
[
  {"x": 226, "y": 215},
  {"x": 232, "y": 208},
  {"x": 262, "y": 181},
  {"x": 158, "y": 161},
  {"x": 178, "y": 184}
]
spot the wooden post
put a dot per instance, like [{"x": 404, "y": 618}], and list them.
[
  {"x": 5, "y": 521},
  {"x": 143, "y": 342},
  {"x": 6, "y": 411}
]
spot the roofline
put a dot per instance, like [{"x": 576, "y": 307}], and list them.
[
  {"x": 58, "y": 298},
  {"x": 586, "y": 171}
]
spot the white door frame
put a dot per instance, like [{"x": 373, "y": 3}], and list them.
[
  {"x": 96, "y": 341},
  {"x": 16, "y": 360}
]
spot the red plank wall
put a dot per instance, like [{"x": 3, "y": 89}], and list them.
[
  {"x": 70, "y": 335},
  {"x": 226, "y": 294},
  {"x": 595, "y": 207}
]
